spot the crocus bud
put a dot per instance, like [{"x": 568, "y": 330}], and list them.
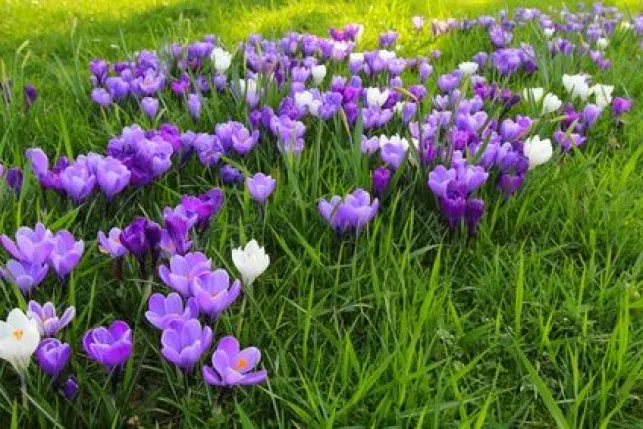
[{"x": 381, "y": 179}]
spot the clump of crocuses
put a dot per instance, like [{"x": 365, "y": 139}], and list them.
[{"x": 350, "y": 213}]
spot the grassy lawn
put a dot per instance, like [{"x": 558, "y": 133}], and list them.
[{"x": 535, "y": 322}]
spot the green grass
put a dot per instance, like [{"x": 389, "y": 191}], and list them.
[{"x": 534, "y": 323}]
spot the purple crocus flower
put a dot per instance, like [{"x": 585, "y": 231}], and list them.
[
  {"x": 590, "y": 114},
  {"x": 231, "y": 175},
  {"x": 203, "y": 207},
  {"x": 150, "y": 106},
  {"x": 111, "y": 347},
  {"x": 388, "y": 38},
  {"x": 31, "y": 245},
  {"x": 184, "y": 270},
  {"x": 214, "y": 292},
  {"x": 14, "y": 179},
  {"x": 70, "y": 387},
  {"x": 260, "y": 187},
  {"x": 381, "y": 179},
  {"x": 194, "y": 105},
  {"x": 77, "y": 181},
  {"x": 454, "y": 202},
  {"x": 183, "y": 343},
  {"x": 66, "y": 253},
  {"x": 621, "y": 105},
  {"x": 175, "y": 238},
  {"x": 448, "y": 82},
  {"x": 112, "y": 176},
  {"x": 25, "y": 275},
  {"x": 141, "y": 237},
  {"x": 52, "y": 356},
  {"x": 101, "y": 97},
  {"x": 353, "y": 212},
  {"x": 45, "y": 317},
  {"x": 162, "y": 310},
  {"x": 232, "y": 366},
  {"x": 473, "y": 214},
  {"x": 111, "y": 244},
  {"x": 424, "y": 71}
]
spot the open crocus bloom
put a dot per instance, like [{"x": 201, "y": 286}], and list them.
[
  {"x": 164, "y": 310},
  {"x": 19, "y": 338},
  {"x": 49, "y": 324},
  {"x": 232, "y": 366},
  {"x": 111, "y": 346}
]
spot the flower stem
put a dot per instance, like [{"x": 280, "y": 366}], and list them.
[{"x": 23, "y": 391}]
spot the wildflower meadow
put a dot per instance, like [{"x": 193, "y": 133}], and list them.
[{"x": 344, "y": 214}]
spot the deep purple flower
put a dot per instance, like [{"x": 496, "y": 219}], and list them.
[
  {"x": 260, "y": 187},
  {"x": 184, "y": 270},
  {"x": 183, "y": 343},
  {"x": 31, "y": 245},
  {"x": 473, "y": 214},
  {"x": 381, "y": 179},
  {"x": 203, "y": 207},
  {"x": 112, "y": 176},
  {"x": 568, "y": 140},
  {"x": 214, "y": 292},
  {"x": 14, "y": 179},
  {"x": 353, "y": 212},
  {"x": 454, "y": 202},
  {"x": 150, "y": 106},
  {"x": 111, "y": 244},
  {"x": 52, "y": 356},
  {"x": 70, "y": 387},
  {"x": 231, "y": 175},
  {"x": 66, "y": 253},
  {"x": 25, "y": 275},
  {"x": 30, "y": 95},
  {"x": 162, "y": 310},
  {"x": 232, "y": 366},
  {"x": 175, "y": 238},
  {"x": 591, "y": 112},
  {"x": 621, "y": 105},
  {"x": 99, "y": 69},
  {"x": 111, "y": 346},
  {"x": 510, "y": 183},
  {"x": 141, "y": 237},
  {"x": 101, "y": 97},
  {"x": 45, "y": 317}
]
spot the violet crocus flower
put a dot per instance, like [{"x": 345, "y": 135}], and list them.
[
  {"x": 203, "y": 207},
  {"x": 183, "y": 343},
  {"x": 30, "y": 95},
  {"x": 194, "y": 105},
  {"x": 70, "y": 387},
  {"x": 448, "y": 82},
  {"x": 162, "y": 310},
  {"x": 111, "y": 244},
  {"x": 175, "y": 238},
  {"x": 473, "y": 214},
  {"x": 112, "y": 176},
  {"x": 353, "y": 212},
  {"x": 25, "y": 275},
  {"x": 14, "y": 179},
  {"x": 101, "y": 97},
  {"x": 231, "y": 175},
  {"x": 261, "y": 187},
  {"x": 110, "y": 347},
  {"x": 232, "y": 366},
  {"x": 31, "y": 245},
  {"x": 388, "y": 38},
  {"x": 454, "y": 202},
  {"x": 621, "y": 105},
  {"x": 141, "y": 237},
  {"x": 66, "y": 253},
  {"x": 77, "y": 181},
  {"x": 214, "y": 292},
  {"x": 381, "y": 179},
  {"x": 150, "y": 106},
  {"x": 184, "y": 270},
  {"x": 49, "y": 324},
  {"x": 52, "y": 356}
]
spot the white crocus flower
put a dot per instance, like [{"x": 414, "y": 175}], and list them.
[
  {"x": 603, "y": 94},
  {"x": 221, "y": 59},
  {"x": 356, "y": 56},
  {"x": 626, "y": 25},
  {"x": 250, "y": 261},
  {"x": 305, "y": 100},
  {"x": 319, "y": 73},
  {"x": 535, "y": 94},
  {"x": 576, "y": 85},
  {"x": 537, "y": 151},
  {"x": 549, "y": 32},
  {"x": 551, "y": 103},
  {"x": 386, "y": 55},
  {"x": 602, "y": 43},
  {"x": 376, "y": 97},
  {"x": 468, "y": 68},
  {"x": 19, "y": 338}
]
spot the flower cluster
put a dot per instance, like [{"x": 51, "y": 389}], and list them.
[{"x": 35, "y": 251}]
